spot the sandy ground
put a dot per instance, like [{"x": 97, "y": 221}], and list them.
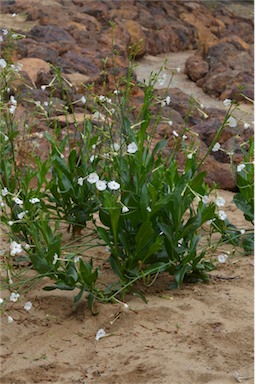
[{"x": 201, "y": 333}]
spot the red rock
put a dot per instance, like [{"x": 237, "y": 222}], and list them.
[{"x": 196, "y": 67}]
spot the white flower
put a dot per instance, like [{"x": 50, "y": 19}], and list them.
[
  {"x": 126, "y": 306},
  {"x": 14, "y": 14},
  {"x": 1, "y": 39},
  {"x": 170, "y": 122},
  {"x": 220, "y": 202},
  {"x": 205, "y": 199},
  {"x": 132, "y": 147},
  {"x": 92, "y": 158},
  {"x": 222, "y": 258},
  {"x": 93, "y": 178},
  {"x": 80, "y": 181},
  {"x": 125, "y": 209},
  {"x": 116, "y": 92},
  {"x": 9, "y": 319},
  {"x": 13, "y": 100},
  {"x": 222, "y": 215},
  {"x": 83, "y": 99},
  {"x": 46, "y": 104},
  {"x": 184, "y": 137},
  {"x": 246, "y": 125},
  {"x": 113, "y": 185},
  {"x": 76, "y": 259},
  {"x": 216, "y": 147},
  {"x": 178, "y": 70},
  {"x": 116, "y": 147},
  {"x": 6, "y": 138},
  {"x": 101, "y": 185},
  {"x": 168, "y": 100},
  {"x": 2, "y": 63},
  {"x": 28, "y": 306},
  {"x": 232, "y": 122},
  {"x": 1, "y": 300},
  {"x": 10, "y": 223},
  {"x": 18, "y": 201},
  {"x": 14, "y": 297},
  {"x": 100, "y": 333},
  {"x": 102, "y": 98},
  {"x": 209, "y": 222},
  {"x": 227, "y": 102},
  {"x": 242, "y": 231},
  {"x": 4, "y": 191},
  {"x": 175, "y": 134},
  {"x": 21, "y": 215},
  {"x": 15, "y": 248},
  {"x": 5, "y": 31},
  {"x": 240, "y": 167},
  {"x": 189, "y": 156},
  {"x": 98, "y": 116},
  {"x": 148, "y": 209},
  {"x": 55, "y": 259},
  {"x": 34, "y": 200},
  {"x": 12, "y": 109},
  {"x": 43, "y": 87},
  {"x": 27, "y": 246}
]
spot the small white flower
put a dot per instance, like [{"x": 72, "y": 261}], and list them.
[
  {"x": 220, "y": 202},
  {"x": 98, "y": 116},
  {"x": 175, "y": 134},
  {"x": 125, "y": 209},
  {"x": 1, "y": 39},
  {"x": 116, "y": 147},
  {"x": 209, "y": 222},
  {"x": 222, "y": 215},
  {"x": 132, "y": 147},
  {"x": 93, "y": 146},
  {"x": 28, "y": 306},
  {"x": 1, "y": 300},
  {"x": 170, "y": 122},
  {"x": 18, "y": 201},
  {"x": 4, "y": 191},
  {"x": 100, "y": 333},
  {"x": 232, "y": 123},
  {"x": 5, "y": 31},
  {"x": 93, "y": 178},
  {"x": 55, "y": 259},
  {"x": 101, "y": 185},
  {"x": 46, "y": 104},
  {"x": 15, "y": 248},
  {"x": 242, "y": 231},
  {"x": 189, "y": 156},
  {"x": 80, "y": 181},
  {"x": 246, "y": 125},
  {"x": 12, "y": 109},
  {"x": 9, "y": 319},
  {"x": 202, "y": 106},
  {"x": 113, "y": 185},
  {"x": 222, "y": 258},
  {"x": 27, "y": 246},
  {"x": 43, "y": 87},
  {"x": 76, "y": 259},
  {"x": 240, "y": 167},
  {"x": 216, "y": 147},
  {"x": 14, "y": 297},
  {"x": 6, "y": 138},
  {"x": 13, "y": 100},
  {"x": 168, "y": 100},
  {"x": 34, "y": 200},
  {"x": 178, "y": 70},
  {"x": 83, "y": 99},
  {"x": 148, "y": 209},
  {"x": 10, "y": 223},
  {"x": 3, "y": 63},
  {"x": 14, "y": 14},
  {"x": 126, "y": 306},
  {"x": 184, "y": 137},
  {"x": 116, "y": 92},
  {"x": 92, "y": 158},
  {"x": 21, "y": 215},
  {"x": 205, "y": 199},
  {"x": 227, "y": 102}
]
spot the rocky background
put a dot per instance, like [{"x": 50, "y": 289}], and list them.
[{"x": 76, "y": 35}]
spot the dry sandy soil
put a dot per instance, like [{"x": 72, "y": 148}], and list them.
[{"x": 201, "y": 333}]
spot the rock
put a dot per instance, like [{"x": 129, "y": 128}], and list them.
[
  {"x": 73, "y": 61},
  {"x": 53, "y": 35},
  {"x": 78, "y": 79},
  {"x": 33, "y": 66},
  {"x": 196, "y": 67}
]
